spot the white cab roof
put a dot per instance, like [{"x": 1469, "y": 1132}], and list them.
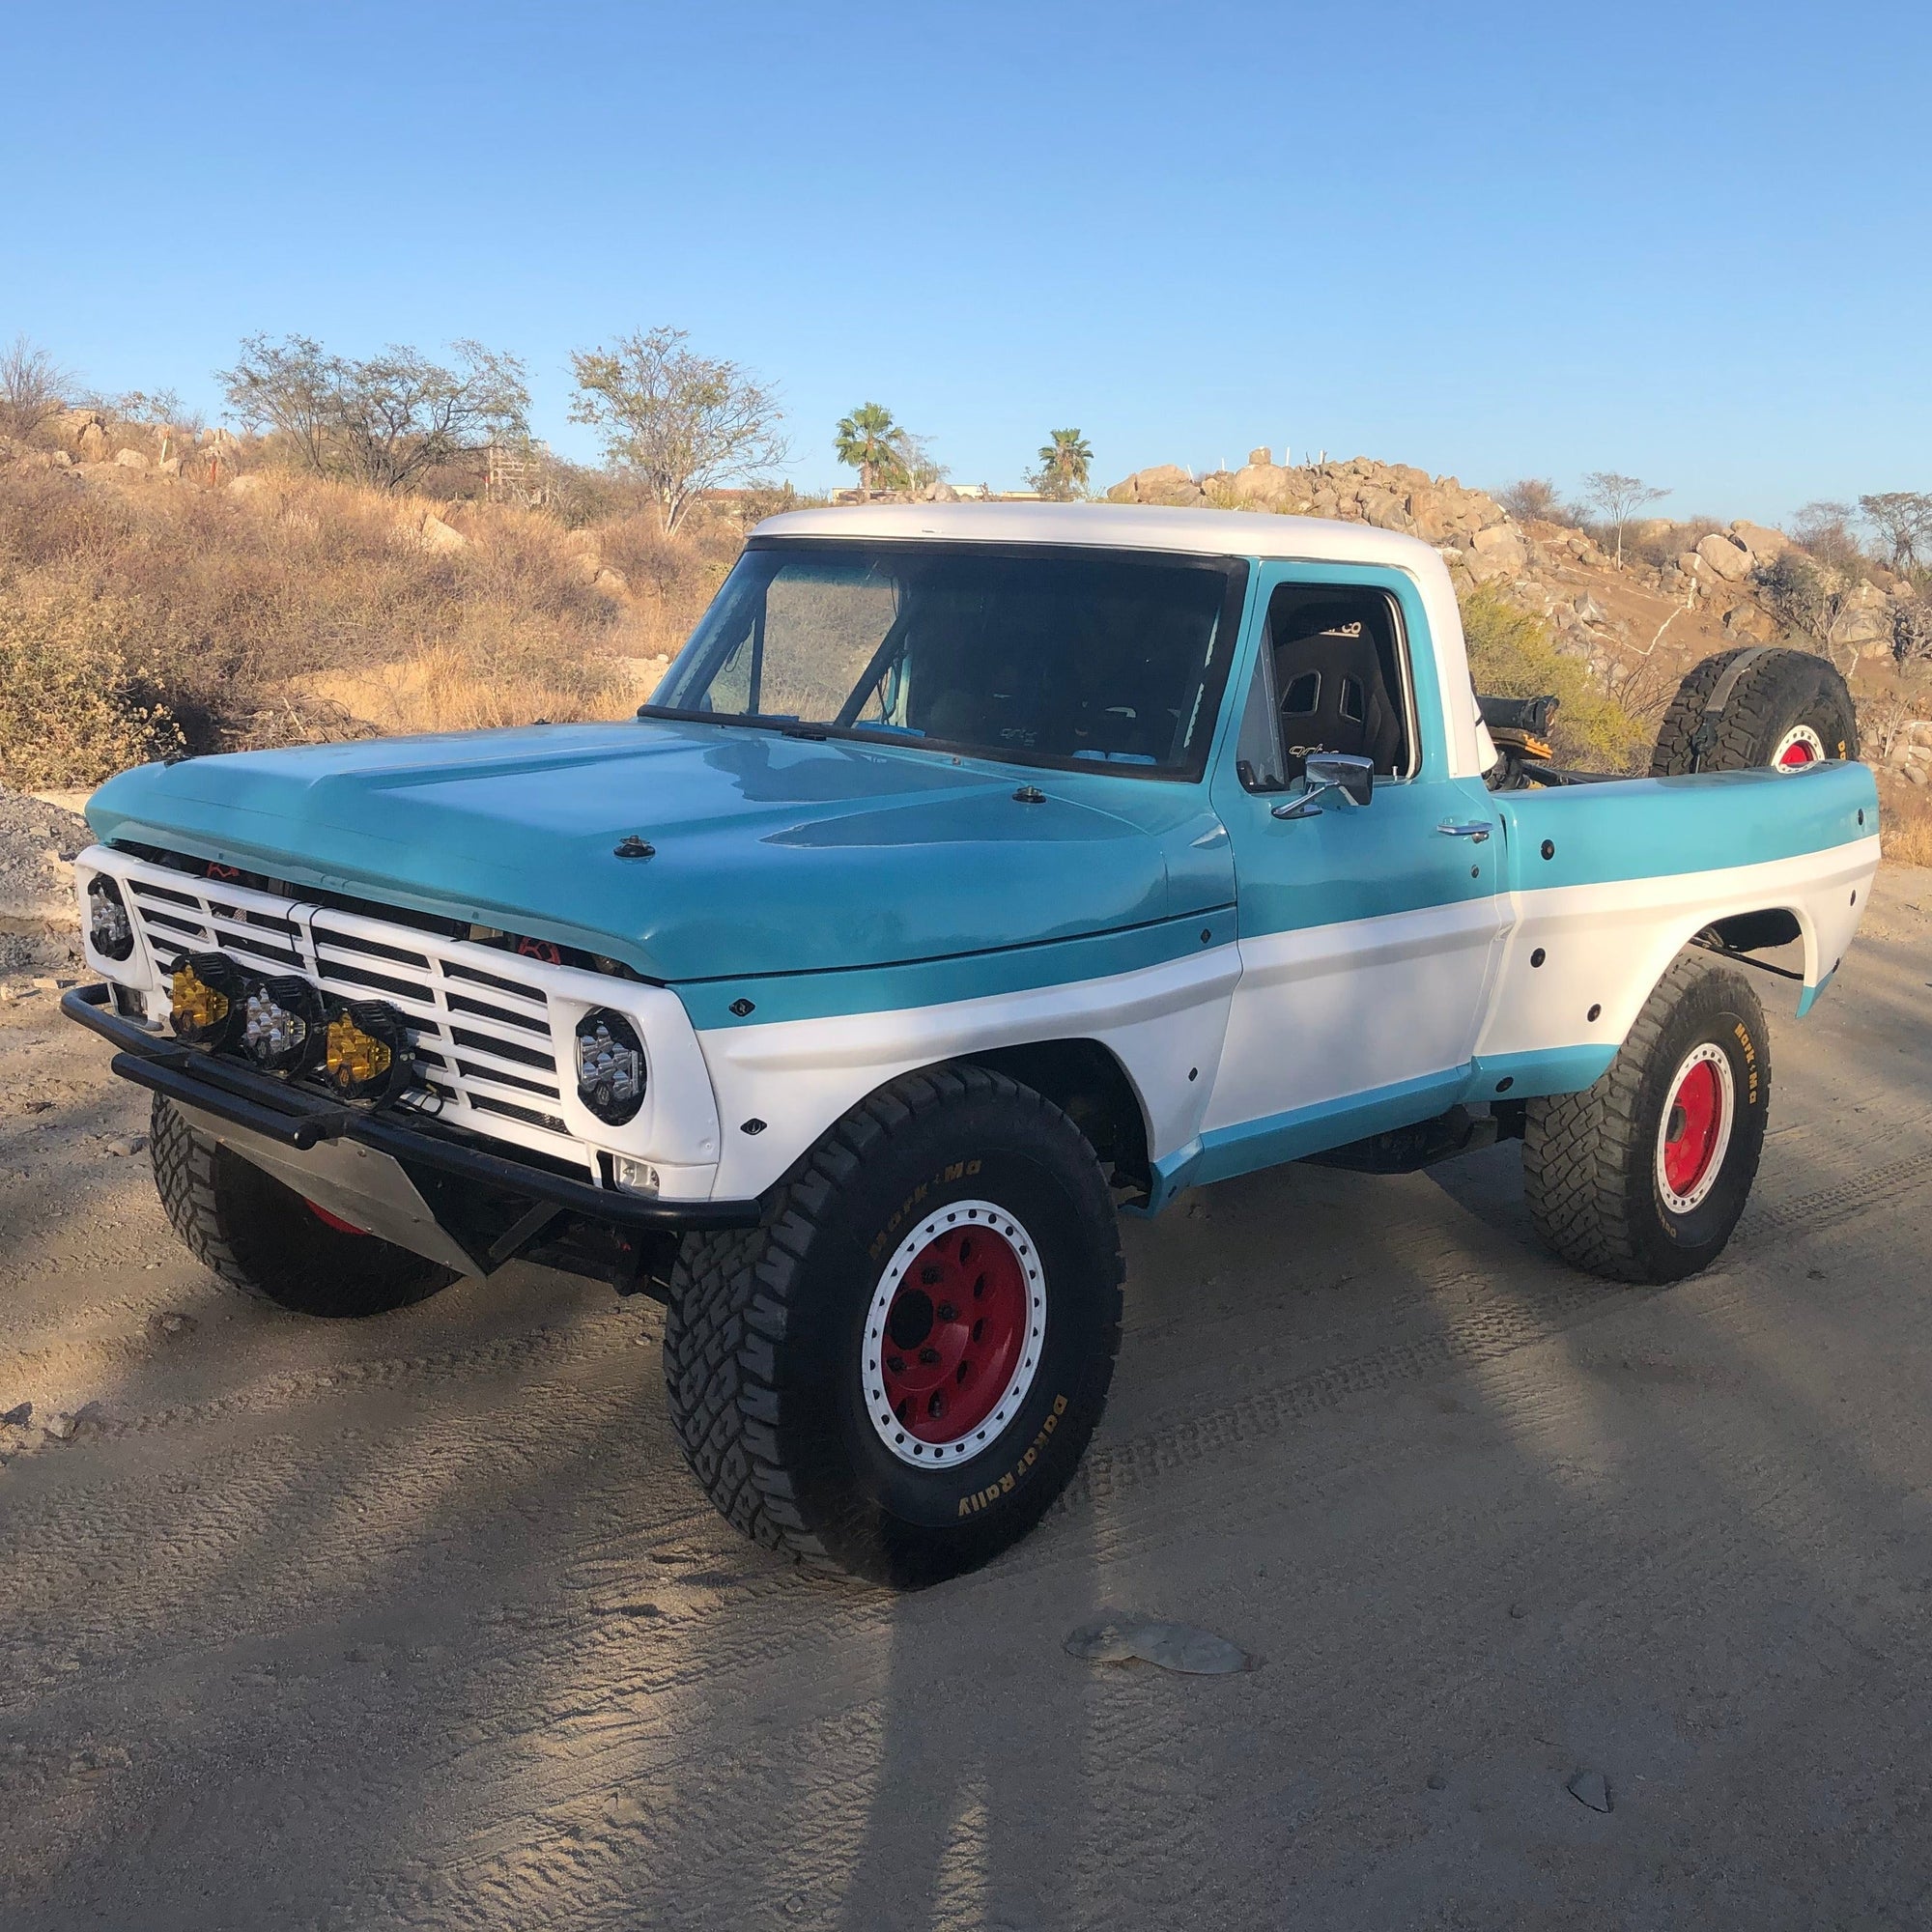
[{"x": 1118, "y": 525}]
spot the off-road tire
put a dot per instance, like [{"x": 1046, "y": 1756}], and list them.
[
  {"x": 265, "y": 1238},
  {"x": 1778, "y": 690},
  {"x": 765, "y": 1337},
  {"x": 1590, "y": 1159}
]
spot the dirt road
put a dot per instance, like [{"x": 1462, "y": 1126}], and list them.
[{"x": 420, "y": 1621}]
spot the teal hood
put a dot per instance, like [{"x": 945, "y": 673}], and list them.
[{"x": 772, "y": 854}]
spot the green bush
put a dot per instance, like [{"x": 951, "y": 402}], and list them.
[{"x": 1512, "y": 654}]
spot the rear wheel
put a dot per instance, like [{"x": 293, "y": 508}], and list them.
[
  {"x": 900, "y": 1373},
  {"x": 265, "y": 1239},
  {"x": 1756, "y": 707},
  {"x": 1643, "y": 1175}
]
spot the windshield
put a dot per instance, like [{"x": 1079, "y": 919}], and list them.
[{"x": 1025, "y": 653}]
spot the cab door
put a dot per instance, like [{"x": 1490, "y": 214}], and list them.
[{"x": 1368, "y": 934}]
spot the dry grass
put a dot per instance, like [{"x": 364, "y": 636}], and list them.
[
  {"x": 294, "y": 608},
  {"x": 1905, "y": 821},
  {"x": 444, "y": 689}
]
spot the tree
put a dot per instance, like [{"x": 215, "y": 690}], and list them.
[
  {"x": 1620, "y": 499},
  {"x": 31, "y": 386},
  {"x": 291, "y": 387},
  {"x": 869, "y": 440},
  {"x": 1065, "y": 462},
  {"x": 385, "y": 421},
  {"x": 1903, "y": 522},
  {"x": 1825, "y": 529},
  {"x": 1533, "y": 496},
  {"x": 681, "y": 422},
  {"x": 914, "y": 469}
]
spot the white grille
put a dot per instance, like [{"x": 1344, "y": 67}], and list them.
[{"x": 486, "y": 1052}]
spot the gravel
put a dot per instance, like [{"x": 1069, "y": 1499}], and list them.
[{"x": 38, "y": 930}]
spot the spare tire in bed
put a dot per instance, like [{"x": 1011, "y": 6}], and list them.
[{"x": 1756, "y": 706}]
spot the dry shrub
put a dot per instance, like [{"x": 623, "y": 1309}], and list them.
[
  {"x": 73, "y": 707},
  {"x": 1904, "y": 822},
  {"x": 292, "y": 609},
  {"x": 672, "y": 578},
  {"x": 46, "y": 517},
  {"x": 479, "y": 685},
  {"x": 1511, "y": 655}
]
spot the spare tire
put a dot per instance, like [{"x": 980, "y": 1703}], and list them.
[{"x": 1756, "y": 706}]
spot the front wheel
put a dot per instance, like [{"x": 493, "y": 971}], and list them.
[
  {"x": 266, "y": 1241},
  {"x": 1643, "y": 1175},
  {"x": 898, "y": 1374}
]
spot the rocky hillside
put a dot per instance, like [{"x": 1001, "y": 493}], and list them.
[{"x": 1683, "y": 591}]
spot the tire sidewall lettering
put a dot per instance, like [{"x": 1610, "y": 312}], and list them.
[
  {"x": 845, "y": 1267},
  {"x": 923, "y": 1196},
  {"x": 1709, "y": 1019}
]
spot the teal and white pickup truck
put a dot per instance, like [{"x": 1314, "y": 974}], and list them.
[{"x": 974, "y": 874}]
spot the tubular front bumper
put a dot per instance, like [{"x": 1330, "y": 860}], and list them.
[{"x": 264, "y": 1105}]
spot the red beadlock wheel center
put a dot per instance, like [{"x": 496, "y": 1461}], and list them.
[
  {"x": 1690, "y": 1131},
  {"x": 334, "y": 1221},
  {"x": 1799, "y": 754},
  {"x": 954, "y": 1332}
]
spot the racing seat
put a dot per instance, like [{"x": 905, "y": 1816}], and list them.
[{"x": 1333, "y": 672}]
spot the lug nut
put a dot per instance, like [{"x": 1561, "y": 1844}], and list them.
[
  {"x": 895, "y": 1363},
  {"x": 948, "y": 1313},
  {"x": 928, "y": 1356}
]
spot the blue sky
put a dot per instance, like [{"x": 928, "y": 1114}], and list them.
[{"x": 1685, "y": 242}]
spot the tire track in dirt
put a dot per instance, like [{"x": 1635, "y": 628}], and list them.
[
  {"x": 622, "y": 1570},
  {"x": 743, "y": 1790},
  {"x": 1829, "y": 1207},
  {"x": 1495, "y": 1330}
]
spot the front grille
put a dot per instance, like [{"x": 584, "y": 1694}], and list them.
[{"x": 485, "y": 1058}]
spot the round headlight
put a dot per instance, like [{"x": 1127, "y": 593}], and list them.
[
  {"x": 610, "y": 1066},
  {"x": 366, "y": 1050},
  {"x": 109, "y": 930},
  {"x": 205, "y": 994},
  {"x": 283, "y": 1025}
]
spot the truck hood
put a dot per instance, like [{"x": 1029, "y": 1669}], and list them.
[{"x": 772, "y": 854}]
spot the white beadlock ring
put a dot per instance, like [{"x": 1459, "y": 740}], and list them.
[
  {"x": 984, "y": 1435},
  {"x": 1714, "y": 1054},
  {"x": 1799, "y": 735}
]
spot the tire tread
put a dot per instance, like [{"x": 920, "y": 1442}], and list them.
[{"x": 734, "y": 1301}]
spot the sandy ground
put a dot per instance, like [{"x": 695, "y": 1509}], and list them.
[{"x": 420, "y": 1621}]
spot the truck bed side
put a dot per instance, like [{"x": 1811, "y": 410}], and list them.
[{"x": 1606, "y": 883}]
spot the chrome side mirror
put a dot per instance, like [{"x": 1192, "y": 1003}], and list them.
[{"x": 1353, "y": 777}]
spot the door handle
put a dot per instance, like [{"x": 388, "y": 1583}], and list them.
[{"x": 1477, "y": 829}]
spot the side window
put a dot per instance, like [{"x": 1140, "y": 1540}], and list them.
[
  {"x": 1334, "y": 662},
  {"x": 1258, "y": 745}
]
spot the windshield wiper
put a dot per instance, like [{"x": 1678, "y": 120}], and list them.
[{"x": 758, "y": 721}]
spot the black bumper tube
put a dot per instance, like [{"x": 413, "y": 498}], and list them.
[{"x": 264, "y": 1105}]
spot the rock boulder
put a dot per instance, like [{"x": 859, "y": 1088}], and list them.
[
  {"x": 436, "y": 535},
  {"x": 1761, "y": 544},
  {"x": 1725, "y": 557},
  {"x": 1262, "y": 485},
  {"x": 1165, "y": 483}
]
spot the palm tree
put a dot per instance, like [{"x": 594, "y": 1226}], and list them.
[
  {"x": 869, "y": 440},
  {"x": 1065, "y": 464}
]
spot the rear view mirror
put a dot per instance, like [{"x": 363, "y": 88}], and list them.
[
  {"x": 1341, "y": 771},
  {"x": 1331, "y": 771}
]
